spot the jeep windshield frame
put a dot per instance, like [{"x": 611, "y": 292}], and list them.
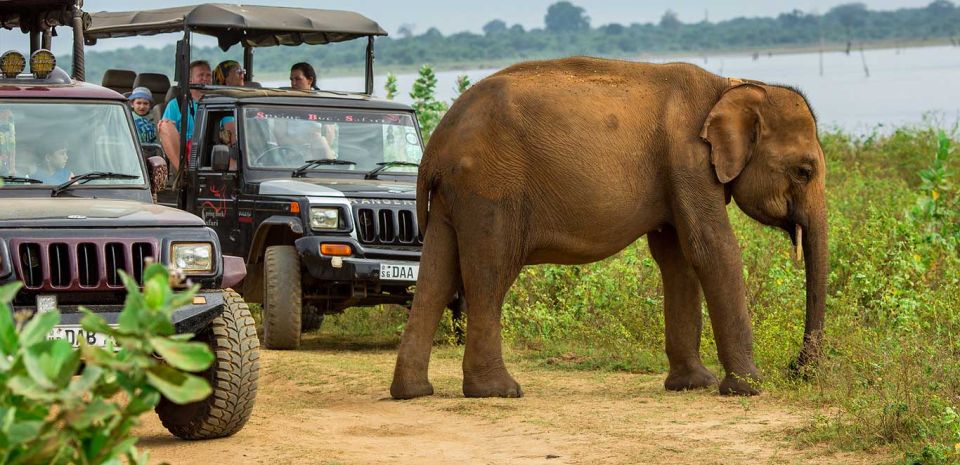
[
  {"x": 364, "y": 137},
  {"x": 96, "y": 136}
]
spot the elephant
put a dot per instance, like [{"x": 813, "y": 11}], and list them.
[{"x": 569, "y": 161}]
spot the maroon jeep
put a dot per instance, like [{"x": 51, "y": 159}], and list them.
[{"x": 77, "y": 208}]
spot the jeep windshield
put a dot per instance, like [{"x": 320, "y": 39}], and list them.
[
  {"x": 287, "y": 138},
  {"x": 46, "y": 144}
]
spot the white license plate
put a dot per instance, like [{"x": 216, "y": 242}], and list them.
[
  {"x": 75, "y": 334},
  {"x": 399, "y": 272}
]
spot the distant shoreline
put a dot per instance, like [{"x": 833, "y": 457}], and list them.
[{"x": 473, "y": 65}]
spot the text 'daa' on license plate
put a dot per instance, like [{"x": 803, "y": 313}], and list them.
[
  {"x": 399, "y": 272},
  {"x": 75, "y": 335}
]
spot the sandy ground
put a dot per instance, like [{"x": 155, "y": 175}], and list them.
[{"x": 329, "y": 404}]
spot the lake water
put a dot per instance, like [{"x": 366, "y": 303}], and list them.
[{"x": 904, "y": 84}]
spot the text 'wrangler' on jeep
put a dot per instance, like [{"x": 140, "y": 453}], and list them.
[
  {"x": 76, "y": 210},
  {"x": 316, "y": 188}
]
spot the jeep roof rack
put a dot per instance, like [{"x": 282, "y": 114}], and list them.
[
  {"x": 39, "y": 18},
  {"x": 249, "y": 25}
]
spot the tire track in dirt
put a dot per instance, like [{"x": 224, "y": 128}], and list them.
[{"x": 331, "y": 407}]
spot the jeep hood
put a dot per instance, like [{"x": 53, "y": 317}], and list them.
[
  {"x": 350, "y": 188},
  {"x": 65, "y": 212}
]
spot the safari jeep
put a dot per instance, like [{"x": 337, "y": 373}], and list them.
[
  {"x": 322, "y": 228},
  {"x": 76, "y": 210}
]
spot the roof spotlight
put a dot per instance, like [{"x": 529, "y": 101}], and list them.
[
  {"x": 42, "y": 63},
  {"x": 12, "y": 63}
]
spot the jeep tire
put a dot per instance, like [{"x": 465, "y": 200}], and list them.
[
  {"x": 232, "y": 337},
  {"x": 282, "y": 298}
]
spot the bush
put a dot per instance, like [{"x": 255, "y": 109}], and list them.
[{"x": 48, "y": 415}]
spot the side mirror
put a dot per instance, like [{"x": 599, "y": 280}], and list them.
[
  {"x": 158, "y": 170},
  {"x": 220, "y": 157}
]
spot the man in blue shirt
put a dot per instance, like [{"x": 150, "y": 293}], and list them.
[{"x": 169, "y": 127}]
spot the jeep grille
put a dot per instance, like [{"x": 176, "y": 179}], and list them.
[
  {"x": 392, "y": 225},
  {"x": 73, "y": 265}
]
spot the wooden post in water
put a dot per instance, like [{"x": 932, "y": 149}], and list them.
[{"x": 863, "y": 58}]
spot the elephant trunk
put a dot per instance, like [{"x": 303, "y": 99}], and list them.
[{"x": 816, "y": 260}]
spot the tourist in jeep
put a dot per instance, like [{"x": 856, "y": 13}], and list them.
[
  {"x": 140, "y": 102},
  {"x": 303, "y": 77},
  {"x": 53, "y": 165},
  {"x": 169, "y": 127},
  {"x": 229, "y": 73}
]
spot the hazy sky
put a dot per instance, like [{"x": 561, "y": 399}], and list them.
[{"x": 456, "y": 16}]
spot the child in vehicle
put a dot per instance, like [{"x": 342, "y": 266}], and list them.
[{"x": 140, "y": 101}]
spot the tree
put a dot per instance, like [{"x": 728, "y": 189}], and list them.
[
  {"x": 850, "y": 16},
  {"x": 612, "y": 29},
  {"x": 432, "y": 33},
  {"x": 405, "y": 31},
  {"x": 565, "y": 17},
  {"x": 494, "y": 27},
  {"x": 670, "y": 20},
  {"x": 517, "y": 29}
]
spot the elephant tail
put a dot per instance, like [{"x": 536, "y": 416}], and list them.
[{"x": 427, "y": 180}]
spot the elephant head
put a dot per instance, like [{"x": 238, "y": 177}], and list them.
[{"x": 764, "y": 148}]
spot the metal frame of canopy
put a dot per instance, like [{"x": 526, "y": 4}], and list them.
[
  {"x": 249, "y": 25},
  {"x": 39, "y": 18}
]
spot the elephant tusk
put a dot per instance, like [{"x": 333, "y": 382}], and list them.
[{"x": 798, "y": 237}]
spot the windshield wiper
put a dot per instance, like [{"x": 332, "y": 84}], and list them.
[
  {"x": 372, "y": 174},
  {"x": 83, "y": 178},
  {"x": 298, "y": 173},
  {"x": 20, "y": 179}
]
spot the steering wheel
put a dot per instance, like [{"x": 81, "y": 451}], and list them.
[{"x": 280, "y": 155}]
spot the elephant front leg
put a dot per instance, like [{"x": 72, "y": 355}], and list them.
[
  {"x": 712, "y": 249},
  {"x": 439, "y": 278},
  {"x": 682, "y": 318}
]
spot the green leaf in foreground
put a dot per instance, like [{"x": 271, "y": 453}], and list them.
[
  {"x": 187, "y": 356},
  {"x": 180, "y": 388}
]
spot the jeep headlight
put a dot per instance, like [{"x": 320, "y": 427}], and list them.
[
  {"x": 192, "y": 257},
  {"x": 324, "y": 218}
]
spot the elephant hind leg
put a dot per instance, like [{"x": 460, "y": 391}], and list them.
[
  {"x": 490, "y": 262},
  {"x": 438, "y": 282},
  {"x": 682, "y": 317}
]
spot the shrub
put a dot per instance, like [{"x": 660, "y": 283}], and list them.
[{"x": 49, "y": 415}]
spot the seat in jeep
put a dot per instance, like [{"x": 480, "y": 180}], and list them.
[
  {"x": 120, "y": 80},
  {"x": 158, "y": 84}
]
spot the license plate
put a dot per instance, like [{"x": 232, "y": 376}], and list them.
[
  {"x": 75, "y": 335},
  {"x": 399, "y": 272}
]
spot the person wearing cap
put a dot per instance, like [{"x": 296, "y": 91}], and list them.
[{"x": 140, "y": 101}]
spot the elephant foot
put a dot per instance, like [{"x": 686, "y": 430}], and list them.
[
  {"x": 740, "y": 385},
  {"x": 490, "y": 386},
  {"x": 410, "y": 390},
  {"x": 693, "y": 378}
]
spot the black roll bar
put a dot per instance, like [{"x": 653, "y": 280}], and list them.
[{"x": 368, "y": 89}]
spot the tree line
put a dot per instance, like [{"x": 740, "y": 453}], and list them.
[{"x": 567, "y": 31}]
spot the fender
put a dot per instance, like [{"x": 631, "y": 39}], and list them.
[{"x": 277, "y": 229}]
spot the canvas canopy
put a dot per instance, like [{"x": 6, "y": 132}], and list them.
[{"x": 249, "y": 25}]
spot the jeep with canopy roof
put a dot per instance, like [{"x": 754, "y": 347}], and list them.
[
  {"x": 322, "y": 228},
  {"x": 77, "y": 210}
]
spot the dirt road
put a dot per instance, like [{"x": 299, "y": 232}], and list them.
[{"x": 329, "y": 404}]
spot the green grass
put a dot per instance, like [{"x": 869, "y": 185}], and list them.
[{"x": 891, "y": 372}]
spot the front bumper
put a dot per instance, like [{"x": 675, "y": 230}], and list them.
[
  {"x": 187, "y": 319},
  {"x": 364, "y": 266}
]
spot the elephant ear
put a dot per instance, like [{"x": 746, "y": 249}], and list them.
[{"x": 733, "y": 128}]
